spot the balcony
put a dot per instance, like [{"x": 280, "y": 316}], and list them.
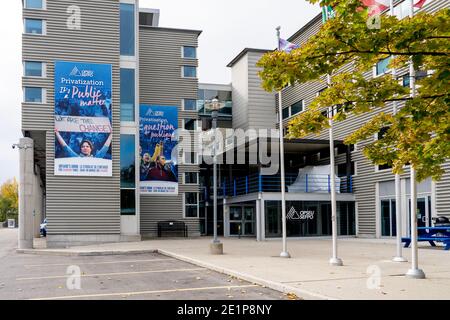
[{"x": 305, "y": 184}]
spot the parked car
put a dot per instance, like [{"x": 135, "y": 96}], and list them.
[{"x": 44, "y": 228}]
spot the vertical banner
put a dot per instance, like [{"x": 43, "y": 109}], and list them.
[
  {"x": 83, "y": 109},
  {"x": 158, "y": 150}
]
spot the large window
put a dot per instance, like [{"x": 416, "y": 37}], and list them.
[
  {"x": 189, "y": 52},
  {"x": 127, "y": 161},
  {"x": 286, "y": 113},
  {"x": 33, "y": 69},
  {"x": 388, "y": 218},
  {"x": 382, "y": 66},
  {"x": 189, "y": 72},
  {"x": 34, "y": 26},
  {"x": 190, "y": 105},
  {"x": 191, "y": 205},
  {"x": 380, "y": 136},
  {"x": 127, "y": 30},
  {"x": 191, "y": 178},
  {"x": 127, "y": 94},
  {"x": 127, "y": 202},
  {"x": 127, "y": 175},
  {"x": 33, "y": 94},
  {"x": 297, "y": 107},
  {"x": 34, "y": 4}
]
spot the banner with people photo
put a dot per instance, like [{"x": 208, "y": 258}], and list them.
[
  {"x": 83, "y": 113},
  {"x": 158, "y": 150}
]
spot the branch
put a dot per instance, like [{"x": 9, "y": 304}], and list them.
[{"x": 425, "y": 53}]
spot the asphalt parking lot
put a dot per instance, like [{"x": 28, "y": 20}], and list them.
[{"x": 137, "y": 277}]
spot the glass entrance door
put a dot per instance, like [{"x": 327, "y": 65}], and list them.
[
  {"x": 242, "y": 221},
  {"x": 423, "y": 212}
]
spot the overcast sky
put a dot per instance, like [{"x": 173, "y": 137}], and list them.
[{"x": 228, "y": 27}]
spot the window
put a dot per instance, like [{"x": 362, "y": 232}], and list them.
[
  {"x": 127, "y": 161},
  {"x": 34, "y": 26},
  {"x": 191, "y": 205},
  {"x": 189, "y": 72},
  {"x": 146, "y": 19},
  {"x": 382, "y": 66},
  {"x": 34, "y": 4},
  {"x": 190, "y": 178},
  {"x": 190, "y": 158},
  {"x": 406, "y": 81},
  {"x": 190, "y": 124},
  {"x": 33, "y": 95},
  {"x": 127, "y": 202},
  {"x": 286, "y": 113},
  {"x": 127, "y": 26},
  {"x": 297, "y": 107},
  {"x": 388, "y": 218},
  {"x": 33, "y": 69},
  {"x": 190, "y": 105},
  {"x": 127, "y": 94},
  {"x": 189, "y": 52}
]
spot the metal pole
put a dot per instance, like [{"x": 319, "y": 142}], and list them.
[
  {"x": 414, "y": 272},
  {"x": 284, "y": 253},
  {"x": 214, "y": 115},
  {"x": 334, "y": 261},
  {"x": 398, "y": 207}
]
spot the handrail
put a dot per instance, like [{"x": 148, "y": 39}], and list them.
[{"x": 254, "y": 183}]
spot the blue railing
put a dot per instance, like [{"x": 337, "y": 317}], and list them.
[{"x": 306, "y": 183}]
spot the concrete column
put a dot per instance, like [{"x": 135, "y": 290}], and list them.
[
  {"x": 26, "y": 205},
  {"x": 258, "y": 220}
]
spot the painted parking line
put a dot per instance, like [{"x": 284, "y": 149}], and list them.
[
  {"x": 129, "y": 294},
  {"x": 112, "y": 274},
  {"x": 94, "y": 263}
]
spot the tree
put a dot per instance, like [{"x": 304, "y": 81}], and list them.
[
  {"x": 419, "y": 133},
  {"x": 9, "y": 200}
]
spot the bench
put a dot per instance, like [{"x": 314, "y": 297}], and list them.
[
  {"x": 431, "y": 234},
  {"x": 172, "y": 228}
]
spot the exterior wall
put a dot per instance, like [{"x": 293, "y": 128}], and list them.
[
  {"x": 240, "y": 87},
  {"x": 76, "y": 206},
  {"x": 260, "y": 102},
  {"x": 367, "y": 175},
  {"x": 161, "y": 83}
]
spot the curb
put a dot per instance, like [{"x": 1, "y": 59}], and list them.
[
  {"x": 84, "y": 254},
  {"x": 262, "y": 282}
]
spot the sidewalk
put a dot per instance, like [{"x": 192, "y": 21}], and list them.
[{"x": 307, "y": 273}]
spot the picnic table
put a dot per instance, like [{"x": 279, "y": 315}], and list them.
[{"x": 431, "y": 235}]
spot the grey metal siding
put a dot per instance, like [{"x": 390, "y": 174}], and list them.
[
  {"x": 240, "y": 88},
  {"x": 261, "y": 114},
  {"x": 161, "y": 83},
  {"x": 76, "y": 205}
]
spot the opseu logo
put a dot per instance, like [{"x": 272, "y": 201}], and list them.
[
  {"x": 151, "y": 113},
  {"x": 81, "y": 73},
  {"x": 302, "y": 215}
]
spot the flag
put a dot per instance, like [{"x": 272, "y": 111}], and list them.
[
  {"x": 327, "y": 13},
  {"x": 286, "y": 46},
  {"x": 419, "y": 4},
  {"x": 376, "y": 6}
]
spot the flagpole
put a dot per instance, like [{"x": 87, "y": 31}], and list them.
[
  {"x": 284, "y": 253},
  {"x": 334, "y": 260},
  {"x": 398, "y": 207},
  {"x": 414, "y": 272}
]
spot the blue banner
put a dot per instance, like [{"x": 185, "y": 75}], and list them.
[
  {"x": 158, "y": 150},
  {"x": 83, "y": 119}
]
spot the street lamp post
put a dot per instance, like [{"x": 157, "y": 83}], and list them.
[{"x": 216, "y": 246}]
